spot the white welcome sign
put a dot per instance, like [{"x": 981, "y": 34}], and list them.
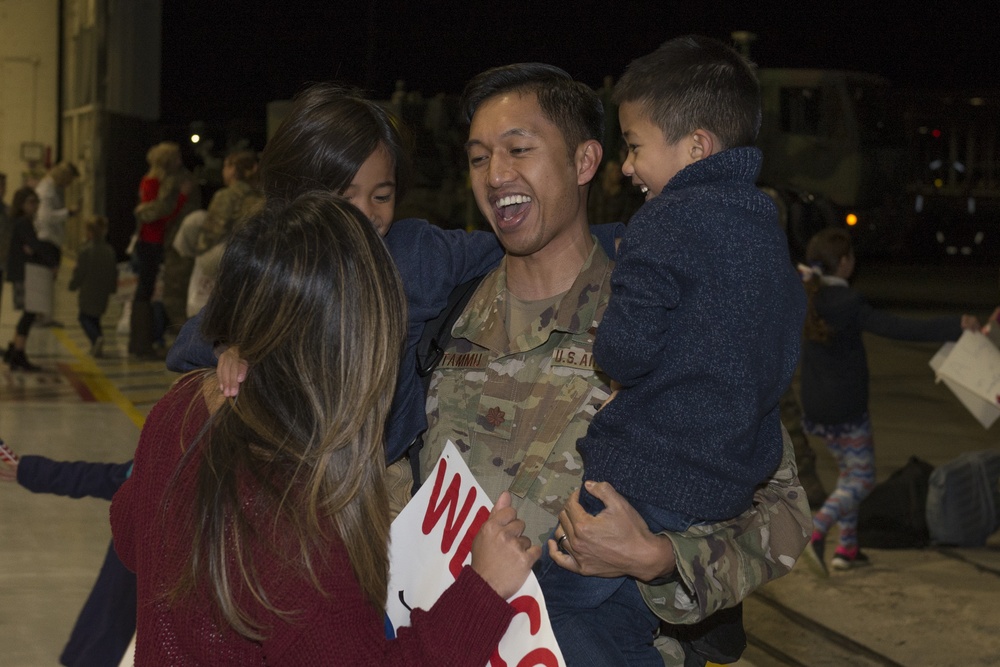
[{"x": 432, "y": 540}]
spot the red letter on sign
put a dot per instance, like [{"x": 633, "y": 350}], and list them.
[
  {"x": 449, "y": 502},
  {"x": 528, "y": 605},
  {"x": 465, "y": 546}
]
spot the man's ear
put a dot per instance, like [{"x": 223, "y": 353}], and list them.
[
  {"x": 703, "y": 144},
  {"x": 587, "y": 159}
]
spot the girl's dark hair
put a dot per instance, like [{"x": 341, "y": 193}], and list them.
[
  {"x": 328, "y": 134},
  {"x": 824, "y": 251},
  {"x": 310, "y": 295},
  {"x": 17, "y": 203}
]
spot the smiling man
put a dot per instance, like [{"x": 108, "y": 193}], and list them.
[{"x": 517, "y": 386}]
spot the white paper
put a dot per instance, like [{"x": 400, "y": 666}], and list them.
[
  {"x": 38, "y": 281},
  {"x": 970, "y": 368},
  {"x": 430, "y": 542}
]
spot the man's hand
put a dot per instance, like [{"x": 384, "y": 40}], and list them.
[{"x": 615, "y": 543}]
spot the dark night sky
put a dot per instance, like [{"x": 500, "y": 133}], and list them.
[{"x": 226, "y": 59}]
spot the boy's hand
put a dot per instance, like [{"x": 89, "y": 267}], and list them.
[{"x": 231, "y": 371}]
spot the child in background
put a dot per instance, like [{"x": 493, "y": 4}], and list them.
[
  {"x": 703, "y": 327},
  {"x": 96, "y": 276},
  {"x": 106, "y": 622},
  {"x": 834, "y": 379}
]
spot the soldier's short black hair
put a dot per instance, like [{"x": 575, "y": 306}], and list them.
[{"x": 572, "y": 106}]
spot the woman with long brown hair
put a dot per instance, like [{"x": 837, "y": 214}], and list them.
[{"x": 258, "y": 527}]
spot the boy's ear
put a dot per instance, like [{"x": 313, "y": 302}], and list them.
[
  {"x": 703, "y": 144},
  {"x": 588, "y": 159}
]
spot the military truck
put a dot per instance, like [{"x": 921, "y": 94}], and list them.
[
  {"x": 833, "y": 155},
  {"x": 953, "y": 179}
]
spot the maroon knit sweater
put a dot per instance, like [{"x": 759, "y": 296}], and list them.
[{"x": 339, "y": 628}]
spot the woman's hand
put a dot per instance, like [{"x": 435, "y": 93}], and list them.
[
  {"x": 501, "y": 554},
  {"x": 231, "y": 371},
  {"x": 615, "y": 543}
]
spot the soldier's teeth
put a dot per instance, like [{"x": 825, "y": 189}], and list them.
[
  {"x": 643, "y": 189},
  {"x": 510, "y": 200}
]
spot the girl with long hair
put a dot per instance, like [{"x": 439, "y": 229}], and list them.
[{"x": 258, "y": 527}]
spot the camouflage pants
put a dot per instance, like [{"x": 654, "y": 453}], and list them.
[{"x": 805, "y": 457}]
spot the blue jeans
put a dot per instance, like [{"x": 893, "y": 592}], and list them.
[{"x": 599, "y": 621}]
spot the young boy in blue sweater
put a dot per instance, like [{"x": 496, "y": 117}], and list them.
[{"x": 703, "y": 327}]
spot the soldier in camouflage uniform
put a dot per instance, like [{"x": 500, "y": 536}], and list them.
[
  {"x": 236, "y": 201},
  {"x": 177, "y": 268},
  {"x": 515, "y": 402},
  {"x": 805, "y": 456}
]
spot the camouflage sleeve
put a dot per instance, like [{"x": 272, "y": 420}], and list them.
[
  {"x": 223, "y": 208},
  {"x": 164, "y": 204},
  {"x": 720, "y": 564},
  {"x": 398, "y": 483}
]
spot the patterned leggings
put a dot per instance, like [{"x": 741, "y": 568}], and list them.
[{"x": 852, "y": 446}]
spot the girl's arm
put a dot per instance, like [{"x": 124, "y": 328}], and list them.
[
  {"x": 433, "y": 261},
  {"x": 75, "y": 479},
  {"x": 887, "y": 325},
  {"x": 190, "y": 350}
]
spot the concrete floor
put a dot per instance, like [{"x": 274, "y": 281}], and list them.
[{"x": 914, "y": 607}]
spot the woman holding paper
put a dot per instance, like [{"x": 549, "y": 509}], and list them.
[
  {"x": 258, "y": 527},
  {"x": 834, "y": 375}
]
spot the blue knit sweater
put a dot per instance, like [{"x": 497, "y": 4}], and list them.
[
  {"x": 703, "y": 332},
  {"x": 431, "y": 262}
]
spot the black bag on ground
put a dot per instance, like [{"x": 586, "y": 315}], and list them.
[
  {"x": 893, "y": 516},
  {"x": 963, "y": 501}
]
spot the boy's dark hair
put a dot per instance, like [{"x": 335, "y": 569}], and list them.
[
  {"x": 572, "y": 106},
  {"x": 695, "y": 82}
]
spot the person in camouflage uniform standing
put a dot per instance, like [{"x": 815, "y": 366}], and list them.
[
  {"x": 517, "y": 386},
  {"x": 805, "y": 456},
  {"x": 240, "y": 198},
  {"x": 177, "y": 268}
]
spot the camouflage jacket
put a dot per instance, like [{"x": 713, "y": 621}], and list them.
[
  {"x": 228, "y": 206},
  {"x": 515, "y": 410}
]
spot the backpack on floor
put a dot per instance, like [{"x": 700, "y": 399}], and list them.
[
  {"x": 893, "y": 514},
  {"x": 963, "y": 500}
]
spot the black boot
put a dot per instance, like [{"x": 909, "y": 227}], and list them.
[
  {"x": 8, "y": 353},
  {"x": 19, "y": 361},
  {"x": 140, "y": 336}
]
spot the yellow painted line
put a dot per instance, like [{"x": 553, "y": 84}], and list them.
[{"x": 103, "y": 389}]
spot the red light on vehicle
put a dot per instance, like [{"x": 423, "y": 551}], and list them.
[{"x": 936, "y": 133}]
